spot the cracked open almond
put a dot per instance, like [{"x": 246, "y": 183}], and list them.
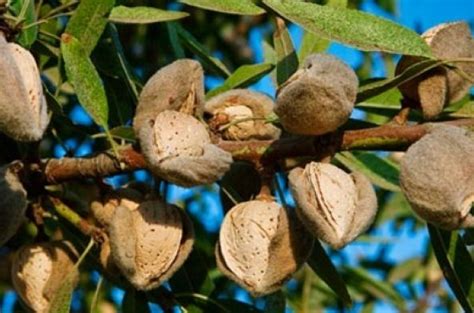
[
  {"x": 245, "y": 113},
  {"x": 39, "y": 270},
  {"x": 333, "y": 205},
  {"x": 437, "y": 177},
  {"x": 318, "y": 98},
  {"x": 178, "y": 86},
  {"x": 178, "y": 148},
  {"x": 261, "y": 245},
  {"x": 149, "y": 241}
]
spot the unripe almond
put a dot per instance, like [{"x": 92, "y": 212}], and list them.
[
  {"x": 249, "y": 106},
  {"x": 149, "y": 241},
  {"x": 178, "y": 86},
  {"x": 13, "y": 201},
  {"x": 334, "y": 206},
  {"x": 39, "y": 270},
  {"x": 437, "y": 177},
  {"x": 441, "y": 86},
  {"x": 23, "y": 109},
  {"x": 177, "y": 147},
  {"x": 319, "y": 98},
  {"x": 261, "y": 245}
]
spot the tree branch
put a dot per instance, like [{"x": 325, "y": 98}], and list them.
[{"x": 387, "y": 137}]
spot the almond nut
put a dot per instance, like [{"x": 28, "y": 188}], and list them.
[
  {"x": 251, "y": 107},
  {"x": 334, "y": 206},
  {"x": 261, "y": 245},
  {"x": 149, "y": 241},
  {"x": 38, "y": 271}
]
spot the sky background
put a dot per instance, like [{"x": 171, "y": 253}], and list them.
[{"x": 415, "y": 14}]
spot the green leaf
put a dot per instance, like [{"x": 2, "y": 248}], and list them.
[
  {"x": 119, "y": 132},
  {"x": 82, "y": 74},
  {"x": 380, "y": 171},
  {"x": 352, "y": 27},
  {"x": 61, "y": 300},
  {"x": 405, "y": 270},
  {"x": 269, "y": 56},
  {"x": 388, "y": 100},
  {"x": 135, "y": 302},
  {"x": 243, "y": 7},
  {"x": 25, "y": 11},
  {"x": 88, "y": 22},
  {"x": 176, "y": 45},
  {"x": 109, "y": 59},
  {"x": 242, "y": 77},
  {"x": 143, "y": 15},
  {"x": 466, "y": 111},
  {"x": 363, "y": 281},
  {"x": 204, "y": 55},
  {"x": 312, "y": 43},
  {"x": 456, "y": 264},
  {"x": 321, "y": 264},
  {"x": 286, "y": 58},
  {"x": 376, "y": 88}
]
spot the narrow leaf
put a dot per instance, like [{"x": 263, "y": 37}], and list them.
[
  {"x": 143, "y": 15},
  {"x": 380, "y": 171},
  {"x": 466, "y": 111},
  {"x": 363, "y": 281},
  {"x": 204, "y": 55},
  {"x": 61, "y": 301},
  {"x": 109, "y": 58},
  {"x": 373, "y": 89},
  {"x": 352, "y": 27},
  {"x": 243, "y": 7},
  {"x": 242, "y": 77},
  {"x": 82, "y": 74},
  {"x": 269, "y": 56},
  {"x": 286, "y": 58},
  {"x": 311, "y": 42},
  {"x": 176, "y": 45},
  {"x": 25, "y": 11},
  {"x": 88, "y": 22},
  {"x": 322, "y": 266},
  {"x": 456, "y": 264}
]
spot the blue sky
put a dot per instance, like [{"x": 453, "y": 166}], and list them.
[{"x": 415, "y": 14}]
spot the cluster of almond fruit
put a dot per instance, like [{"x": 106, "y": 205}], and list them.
[{"x": 261, "y": 242}]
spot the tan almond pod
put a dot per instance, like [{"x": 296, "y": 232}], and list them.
[
  {"x": 178, "y": 86},
  {"x": 437, "y": 177},
  {"x": 261, "y": 245},
  {"x": 39, "y": 270},
  {"x": 13, "y": 201},
  {"x": 319, "y": 98},
  {"x": 23, "y": 108},
  {"x": 334, "y": 206},
  {"x": 441, "y": 86},
  {"x": 149, "y": 241},
  {"x": 177, "y": 147},
  {"x": 243, "y": 104}
]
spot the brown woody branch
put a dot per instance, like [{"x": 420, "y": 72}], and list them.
[{"x": 387, "y": 137}]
